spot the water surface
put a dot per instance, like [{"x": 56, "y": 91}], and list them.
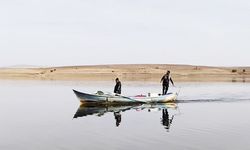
[{"x": 40, "y": 115}]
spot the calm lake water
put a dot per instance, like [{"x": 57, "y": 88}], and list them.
[{"x": 40, "y": 115}]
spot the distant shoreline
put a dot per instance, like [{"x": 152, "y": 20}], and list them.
[{"x": 130, "y": 72}]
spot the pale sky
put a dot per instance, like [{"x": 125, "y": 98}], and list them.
[{"x": 86, "y": 32}]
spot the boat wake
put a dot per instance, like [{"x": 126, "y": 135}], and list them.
[{"x": 211, "y": 100}]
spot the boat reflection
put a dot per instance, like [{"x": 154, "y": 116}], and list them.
[
  {"x": 117, "y": 110},
  {"x": 99, "y": 110}
]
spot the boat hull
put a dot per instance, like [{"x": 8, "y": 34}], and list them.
[
  {"x": 105, "y": 98},
  {"x": 112, "y": 98},
  {"x": 170, "y": 97}
]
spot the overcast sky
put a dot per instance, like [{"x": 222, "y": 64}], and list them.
[{"x": 83, "y": 32}]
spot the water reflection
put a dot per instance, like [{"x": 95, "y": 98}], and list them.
[
  {"x": 117, "y": 110},
  {"x": 99, "y": 110},
  {"x": 166, "y": 122},
  {"x": 118, "y": 118}
]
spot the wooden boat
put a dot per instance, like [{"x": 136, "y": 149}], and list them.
[
  {"x": 156, "y": 98},
  {"x": 114, "y": 98},
  {"x": 102, "y": 98}
]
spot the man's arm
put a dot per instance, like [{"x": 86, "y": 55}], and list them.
[
  {"x": 119, "y": 86},
  {"x": 116, "y": 88},
  {"x": 162, "y": 78},
  {"x": 171, "y": 81}
]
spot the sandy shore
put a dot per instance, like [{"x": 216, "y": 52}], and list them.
[{"x": 142, "y": 72}]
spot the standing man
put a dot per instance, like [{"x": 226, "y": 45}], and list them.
[
  {"x": 165, "y": 82},
  {"x": 118, "y": 86}
]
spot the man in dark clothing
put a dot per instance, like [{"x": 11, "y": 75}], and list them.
[
  {"x": 165, "y": 82},
  {"x": 118, "y": 86}
]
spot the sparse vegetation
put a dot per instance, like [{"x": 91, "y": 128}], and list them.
[
  {"x": 196, "y": 68},
  {"x": 234, "y": 70},
  {"x": 52, "y": 70}
]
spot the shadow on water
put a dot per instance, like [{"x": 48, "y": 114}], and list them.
[{"x": 117, "y": 110}]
